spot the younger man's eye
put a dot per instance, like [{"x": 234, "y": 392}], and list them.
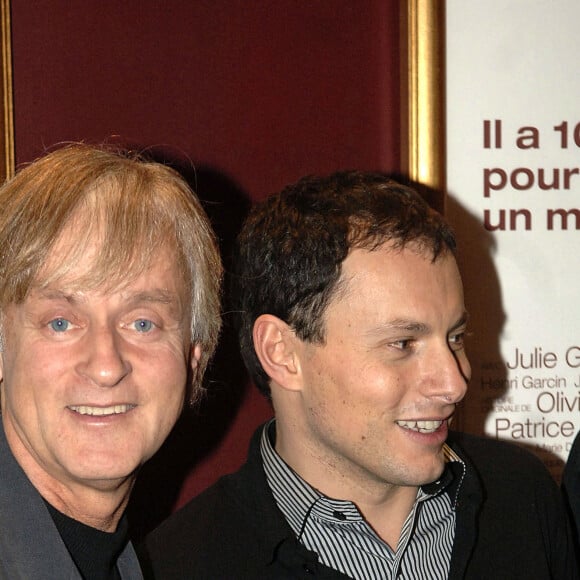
[
  {"x": 457, "y": 340},
  {"x": 403, "y": 344}
]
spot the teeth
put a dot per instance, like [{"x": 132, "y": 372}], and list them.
[
  {"x": 420, "y": 426},
  {"x": 101, "y": 411}
]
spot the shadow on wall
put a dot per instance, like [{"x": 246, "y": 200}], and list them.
[
  {"x": 475, "y": 249},
  {"x": 200, "y": 430},
  {"x": 483, "y": 300},
  {"x": 490, "y": 383}
]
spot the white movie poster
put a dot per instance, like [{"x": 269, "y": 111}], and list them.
[{"x": 513, "y": 178}]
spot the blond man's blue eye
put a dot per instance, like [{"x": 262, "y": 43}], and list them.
[
  {"x": 143, "y": 325},
  {"x": 59, "y": 324}
]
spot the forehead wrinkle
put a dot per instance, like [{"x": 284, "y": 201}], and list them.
[{"x": 87, "y": 235}]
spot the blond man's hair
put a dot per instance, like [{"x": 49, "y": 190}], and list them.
[{"x": 133, "y": 205}]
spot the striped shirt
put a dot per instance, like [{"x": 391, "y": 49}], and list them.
[{"x": 339, "y": 534}]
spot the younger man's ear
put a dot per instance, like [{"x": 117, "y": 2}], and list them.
[{"x": 275, "y": 345}]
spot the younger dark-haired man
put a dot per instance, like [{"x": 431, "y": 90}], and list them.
[{"x": 352, "y": 321}]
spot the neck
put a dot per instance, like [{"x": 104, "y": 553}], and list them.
[
  {"x": 384, "y": 506},
  {"x": 97, "y": 509},
  {"x": 96, "y": 503},
  {"x": 388, "y": 516}
]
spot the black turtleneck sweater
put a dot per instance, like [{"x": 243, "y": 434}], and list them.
[{"x": 94, "y": 552}]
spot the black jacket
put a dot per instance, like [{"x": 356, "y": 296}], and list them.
[
  {"x": 571, "y": 487},
  {"x": 510, "y": 524},
  {"x": 31, "y": 547}
]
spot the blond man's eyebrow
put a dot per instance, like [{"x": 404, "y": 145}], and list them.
[
  {"x": 58, "y": 294},
  {"x": 156, "y": 295}
]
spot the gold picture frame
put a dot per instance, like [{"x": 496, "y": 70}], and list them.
[
  {"x": 423, "y": 92},
  {"x": 7, "y": 162}
]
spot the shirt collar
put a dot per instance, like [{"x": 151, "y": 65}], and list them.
[{"x": 297, "y": 499}]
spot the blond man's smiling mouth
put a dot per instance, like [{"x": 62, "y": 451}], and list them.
[{"x": 101, "y": 411}]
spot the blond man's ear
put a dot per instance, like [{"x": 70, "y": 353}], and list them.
[
  {"x": 195, "y": 357},
  {"x": 1, "y": 350}
]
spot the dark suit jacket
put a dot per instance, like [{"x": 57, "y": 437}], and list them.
[
  {"x": 571, "y": 487},
  {"x": 30, "y": 545},
  {"x": 510, "y": 525}
]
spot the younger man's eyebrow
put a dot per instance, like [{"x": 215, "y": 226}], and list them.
[
  {"x": 462, "y": 321},
  {"x": 399, "y": 324},
  {"x": 412, "y": 326}
]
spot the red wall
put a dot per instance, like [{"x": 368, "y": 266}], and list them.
[{"x": 242, "y": 97}]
